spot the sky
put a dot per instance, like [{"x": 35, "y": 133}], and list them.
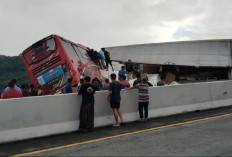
[{"x": 105, "y": 23}]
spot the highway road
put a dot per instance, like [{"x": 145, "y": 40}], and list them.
[{"x": 205, "y": 133}]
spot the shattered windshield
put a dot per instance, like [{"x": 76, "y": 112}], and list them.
[{"x": 39, "y": 50}]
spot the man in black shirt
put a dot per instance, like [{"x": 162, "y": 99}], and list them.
[
  {"x": 107, "y": 58},
  {"x": 87, "y": 91},
  {"x": 114, "y": 98},
  {"x": 129, "y": 69}
]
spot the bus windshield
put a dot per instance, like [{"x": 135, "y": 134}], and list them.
[
  {"x": 39, "y": 51},
  {"x": 76, "y": 52}
]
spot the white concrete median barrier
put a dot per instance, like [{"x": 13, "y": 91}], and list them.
[{"x": 32, "y": 117}]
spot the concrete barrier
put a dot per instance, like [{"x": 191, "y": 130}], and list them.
[{"x": 49, "y": 115}]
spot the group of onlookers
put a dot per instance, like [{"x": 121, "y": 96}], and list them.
[
  {"x": 88, "y": 89},
  {"x": 14, "y": 91}
]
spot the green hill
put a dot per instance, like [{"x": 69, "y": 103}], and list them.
[{"x": 12, "y": 67}]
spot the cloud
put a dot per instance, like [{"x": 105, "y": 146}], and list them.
[
  {"x": 212, "y": 21},
  {"x": 105, "y": 23}
]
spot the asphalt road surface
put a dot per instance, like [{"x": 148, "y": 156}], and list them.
[{"x": 205, "y": 133}]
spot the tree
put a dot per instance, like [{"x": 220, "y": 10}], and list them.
[{"x": 12, "y": 67}]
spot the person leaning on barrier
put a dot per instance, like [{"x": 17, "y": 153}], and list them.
[
  {"x": 143, "y": 98},
  {"x": 87, "y": 91},
  {"x": 97, "y": 83},
  {"x": 68, "y": 88},
  {"x": 40, "y": 91},
  {"x": 75, "y": 88},
  {"x": 114, "y": 98},
  {"x": 80, "y": 84},
  {"x": 123, "y": 82},
  {"x": 33, "y": 91},
  {"x": 106, "y": 85},
  {"x": 25, "y": 90},
  {"x": 138, "y": 80}
]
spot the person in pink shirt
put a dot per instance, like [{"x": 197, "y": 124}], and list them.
[{"x": 11, "y": 92}]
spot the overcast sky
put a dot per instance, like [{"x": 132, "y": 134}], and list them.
[{"x": 103, "y": 23}]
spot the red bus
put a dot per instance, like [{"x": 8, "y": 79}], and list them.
[{"x": 52, "y": 60}]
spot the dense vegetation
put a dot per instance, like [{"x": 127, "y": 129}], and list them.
[{"x": 12, "y": 67}]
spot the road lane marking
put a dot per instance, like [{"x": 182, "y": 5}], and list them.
[{"x": 121, "y": 135}]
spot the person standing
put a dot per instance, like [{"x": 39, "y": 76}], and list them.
[
  {"x": 106, "y": 85},
  {"x": 87, "y": 91},
  {"x": 123, "y": 82},
  {"x": 11, "y": 92},
  {"x": 68, "y": 88},
  {"x": 143, "y": 99},
  {"x": 114, "y": 98},
  {"x": 129, "y": 69},
  {"x": 25, "y": 91},
  {"x": 15, "y": 85},
  {"x": 107, "y": 59},
  {"x": 138, "y": 79},
  {"x": 40, "y": 90},
  {"x": 160, "y": 78},
  {"x": 33, "y": 91},
  {"x": 80, "y": 84},
  {"x": 97, "y": 83},
  {"x": 75, "y": 88},
  {"x": 122, "y": 72}
]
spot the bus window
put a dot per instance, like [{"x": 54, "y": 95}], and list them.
[
  {"x": 71, "y": 50},
  {"x": 43, "y": 46},
  {"x": 38, "y": 49},
  {"x": 50, "y": 45},
  {"x": 82, "y": 53}
]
